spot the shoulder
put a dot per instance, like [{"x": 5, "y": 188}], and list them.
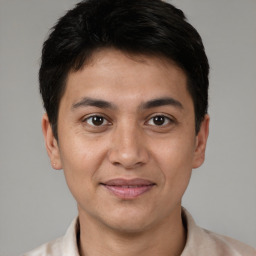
[
  {"x": 201, "y": 242},
  {"x": 63, "y": 246},
  {"x": 47, "y": 249},
  {"x": 228, "y": 246}
]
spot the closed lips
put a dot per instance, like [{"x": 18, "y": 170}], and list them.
[
  {"x": 128, "y": 189},
  {"x": 128, "y": 183}
]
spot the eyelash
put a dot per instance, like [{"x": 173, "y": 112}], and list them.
[
  {"x": 105, "y": 121},
  {"x": 165, "y": 119},
  {"x": 161, "y": 116}
]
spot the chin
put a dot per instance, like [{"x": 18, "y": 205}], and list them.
[
  {"x": 129, "y": 222},
  {"x": 129, "y": 227}
]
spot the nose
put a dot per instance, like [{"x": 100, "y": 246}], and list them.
[{"x": 128, "y": 147}]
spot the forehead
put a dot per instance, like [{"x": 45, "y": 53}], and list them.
[{"x": 113, "y": 75}]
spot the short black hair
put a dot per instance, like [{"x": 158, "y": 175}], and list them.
[{"x": 150, "y": 27}]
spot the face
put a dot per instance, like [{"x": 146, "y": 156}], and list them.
[{"x": 126, "y": 140}]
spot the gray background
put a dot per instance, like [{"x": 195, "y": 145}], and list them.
[{"x": 35, "y": 203}]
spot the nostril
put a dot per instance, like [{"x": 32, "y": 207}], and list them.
[
  {"x": 127, "y": 166},
  {"x": 116, "y": 163}
]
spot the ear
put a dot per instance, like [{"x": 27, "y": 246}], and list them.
[
  {"x": 51, "y": 144},
  {"x": 201, "y": 140}
]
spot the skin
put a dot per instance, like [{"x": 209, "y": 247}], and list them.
[{"x": 127, "y": 142}]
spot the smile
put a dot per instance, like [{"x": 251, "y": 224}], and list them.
[{"x": 128, "y": 189}]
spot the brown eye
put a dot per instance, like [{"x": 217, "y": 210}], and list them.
[
  {"x": 159, "y": 120},
  {"x": 96, "y": 120}
]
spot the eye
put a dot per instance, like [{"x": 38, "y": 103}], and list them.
[
  {"x": 159, "y": 120},
  {"x": 96, "y": 120}
]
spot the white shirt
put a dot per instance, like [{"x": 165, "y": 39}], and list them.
[{"x": 200, "y": 242}]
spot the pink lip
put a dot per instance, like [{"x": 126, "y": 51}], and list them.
[{"x": 128, "y": 189}]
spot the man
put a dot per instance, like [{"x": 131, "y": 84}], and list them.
[{"x": 125, "y": 88}]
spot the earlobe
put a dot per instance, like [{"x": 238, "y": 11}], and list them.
[
  {"x": 51, "y": 143},
  {"x": 201, "y": 141}
]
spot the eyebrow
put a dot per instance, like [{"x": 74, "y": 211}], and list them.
[
  {"x": 161, "y": 102},
  {"x": 85, "y": 102}
]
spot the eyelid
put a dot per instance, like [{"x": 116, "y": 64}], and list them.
[
  {"x": 85, "y": 118},
  {"x": 171, "y": 119}
]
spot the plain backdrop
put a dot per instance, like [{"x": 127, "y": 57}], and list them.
[{"x": 36, "y": 205}]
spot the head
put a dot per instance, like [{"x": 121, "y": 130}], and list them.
[
  {"x": 137, "y": 27},
  {"x": 124, "y": 85}
]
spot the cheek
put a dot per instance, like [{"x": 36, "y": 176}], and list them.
[
  {"x": 175, "y": 160},
  {"x": 79, "y": 152},
  {"x": 176, "y": 153},
  {"x": 80, "y": 161}
]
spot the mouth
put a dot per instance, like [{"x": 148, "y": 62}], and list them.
[{"x": 128, "y": 189}]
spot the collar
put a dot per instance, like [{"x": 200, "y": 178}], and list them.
[{"x": 200, "y": 242}]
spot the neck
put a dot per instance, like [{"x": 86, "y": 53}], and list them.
[{"x": 165, "y": 238}]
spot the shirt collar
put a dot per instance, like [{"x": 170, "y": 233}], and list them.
[
  {"x": 196, "y": 239},
  {"x": 71, "y": 238}
]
